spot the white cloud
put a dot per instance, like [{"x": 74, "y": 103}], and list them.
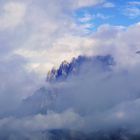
[
  {"x": 102, "y": 16},
  {"x": 87, "y": 18},
  {"x": 64, "y": 48},
  {"x": 47, "y": 25},
  {"x": 132, "y": 12},
  {"x": 108, "y": 5},
  {"x": 122, "y": 43},
  {"x": 134, "y": 3},
  {"x": 52, "y": 37},
  {"x": 90, "y": 17},
  {"x": 12, "y": 15},
  {"x": 83, "y": 3},
  {"x": 88, "y": 3},
  {"x": 39, "y": 122}
]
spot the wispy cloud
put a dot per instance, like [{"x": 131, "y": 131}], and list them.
[
  {"x": 87, "y": 17},
  {"x": 83, "y": 3},
  {"x": 132, "y": 12},
  {"x": 134, "y": 3},
  {"x": 108, "y": 5},
  {"x": 132, "y": 9}
]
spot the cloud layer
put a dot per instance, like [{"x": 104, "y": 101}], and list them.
[{"x": 37, "y": 35}]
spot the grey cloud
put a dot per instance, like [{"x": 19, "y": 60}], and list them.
[{"x": 15, "y": 83}]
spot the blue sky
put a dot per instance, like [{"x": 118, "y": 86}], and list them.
[{"x": 119, "y": 12}]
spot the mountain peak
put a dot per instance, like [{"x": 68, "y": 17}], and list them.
[{"x": 73, "y": 67}]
